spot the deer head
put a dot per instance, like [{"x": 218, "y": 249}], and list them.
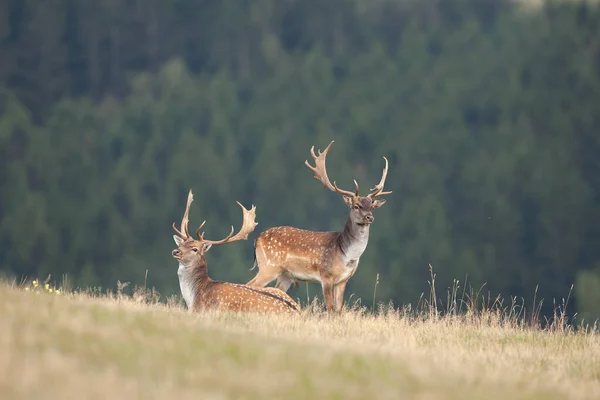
[
  {"x": 191, "y": 251},
  {"x": 361, "y": 208}
]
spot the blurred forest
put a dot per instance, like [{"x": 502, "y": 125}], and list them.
[{"x": 488, "y": 111}]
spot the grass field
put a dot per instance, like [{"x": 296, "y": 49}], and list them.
[{"x": 110, "y": 347}]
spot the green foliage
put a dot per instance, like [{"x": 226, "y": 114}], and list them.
[
  {"x": 488, "y": 113},
  {"x": 588, "y": 295}
]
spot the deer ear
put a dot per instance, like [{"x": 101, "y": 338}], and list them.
[
  {"x": 178, "y": 241},
  {"x": 206, "y": 247},
  {"x": 378, "y": 203},
  {"x": 348, "y": 200}
]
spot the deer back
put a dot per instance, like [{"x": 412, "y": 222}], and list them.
[
  {"x": 227, "y": 296},
  {"x": 284, "y": 244}
]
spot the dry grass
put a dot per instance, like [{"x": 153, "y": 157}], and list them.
[{"x": 61, "y": 347}]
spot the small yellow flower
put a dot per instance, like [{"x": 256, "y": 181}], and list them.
[
  {"x": 34, "y": 283},
  {"x": 50, "y": 290},
  {"x": 57, "y": 291},
  {"x": 47, "y": 286},
  {"x": 27, "y": 289}
]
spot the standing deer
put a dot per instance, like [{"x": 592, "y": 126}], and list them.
[
  {"x": 290, "y": 254},
  {"x": 201, "y": 293}
]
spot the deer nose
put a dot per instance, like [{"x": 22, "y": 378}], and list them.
[
  {"x": 369, "y": 217},
  {"x": 176, "y": 252}
]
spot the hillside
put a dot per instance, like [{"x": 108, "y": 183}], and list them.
[{"x": 77, "y": 346}]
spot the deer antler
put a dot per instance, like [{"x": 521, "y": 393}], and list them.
[
  {"x": 378, "y": 189},
  {"x": 248, "y": 226},
  {"x": 184, "y": 233},
  {"x": 320, "y": 172}
]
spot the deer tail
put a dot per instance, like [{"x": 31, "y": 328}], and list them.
[{"x": 255, "y": 263}]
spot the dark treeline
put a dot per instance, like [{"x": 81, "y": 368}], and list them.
[{"x": 488, "y": 111}]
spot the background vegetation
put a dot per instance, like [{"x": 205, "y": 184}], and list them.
[{"x": 488, "y": 111}]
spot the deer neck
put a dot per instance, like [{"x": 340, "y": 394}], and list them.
[
  {"x": 353, "y": 240},
  {"x": 193, "y": 280}
]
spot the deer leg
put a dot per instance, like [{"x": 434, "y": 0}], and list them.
[
  {"x": 261, "y": 280},
  {"x": 328, "y": 295},
  {"x": 283, "y": 282},
  {"x": 338, "y": 294}
]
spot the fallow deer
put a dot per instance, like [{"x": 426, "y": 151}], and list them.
[
  {"x": 200, "y": 292},
  {"x": 290, "y": 254}
]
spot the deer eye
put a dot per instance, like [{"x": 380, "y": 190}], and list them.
[
  {"x": 195, "y": 249},
  {"x": 356, "y": 207}
]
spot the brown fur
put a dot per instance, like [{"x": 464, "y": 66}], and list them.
[
  {"x": 291, "y": 254},
  {"x": 210, "y": 294},
  {"x": 200, "y": 292}
]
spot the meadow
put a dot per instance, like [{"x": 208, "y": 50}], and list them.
[{"x": 90, "y": 345}]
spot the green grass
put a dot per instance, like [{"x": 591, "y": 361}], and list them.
[{"x": 60, "y": 347}]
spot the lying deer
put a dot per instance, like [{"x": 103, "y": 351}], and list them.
[
  {"x": 290, "y": 254},
  {"x": 200, "y": 292}
]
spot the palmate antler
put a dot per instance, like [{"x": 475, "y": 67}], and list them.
[
  {"x": 184, "y": 233},
  {"x": 320, "y": 172},
  {"x": 248, "y": 225},
  {"x": 377, "y": 191}
]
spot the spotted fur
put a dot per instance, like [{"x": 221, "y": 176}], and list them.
[
  {"x": 200, "y": 292},
  {"x": 291, "y": 254}
]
